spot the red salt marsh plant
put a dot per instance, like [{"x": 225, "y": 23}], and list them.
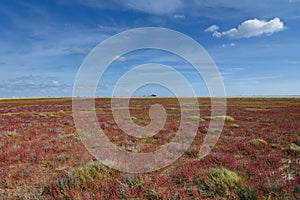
[{"x": 45, "y": 159}]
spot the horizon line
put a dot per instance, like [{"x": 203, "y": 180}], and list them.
[{"x": 149, "y": 97}]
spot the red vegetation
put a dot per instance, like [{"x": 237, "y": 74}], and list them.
[{"x": 256, "y": 157}]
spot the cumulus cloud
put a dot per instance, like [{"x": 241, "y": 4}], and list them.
[
  {"x": 119, "y": 59},
  {"x": 252, "y": 28},
  {"x": 212, "y": 28}
]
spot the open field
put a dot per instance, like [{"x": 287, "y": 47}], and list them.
[{"x": 256, "y": 157}]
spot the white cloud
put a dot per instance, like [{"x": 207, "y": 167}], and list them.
[
  {"x": 212, "y": 28},
  {"x": 119, "y": 59},
  {"x": 252, "y": 28},
  {"x": 178, "y": 16}
]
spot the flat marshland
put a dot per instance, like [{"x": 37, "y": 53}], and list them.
[{"x": 256, "y": 156}]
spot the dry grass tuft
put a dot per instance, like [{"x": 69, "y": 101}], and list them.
[
  {"x": 295, "y": 148},
  {"x": 221, "y": 182},
  {"x": 221, "y": 117},
  {"x": 257, "y": 142}
]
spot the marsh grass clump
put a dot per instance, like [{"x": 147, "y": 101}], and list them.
[
  {"x": 171, "y": 108},
  {"x": 222, "y": 182},
  {"x": 78, "y": 181},
  {"x": 226, "y": 118},
  {"x": 234, "y": 126},
  {"x": 62, "y": 157},
  {"x": 257, "y": 142},
  {"x": 131, "y": 118},
  {"x": 10, "y": 134},
  {"x": 294, "y": 147},
  {"x": 196, "y": 118},
  {"x": 256, "y": 109}
]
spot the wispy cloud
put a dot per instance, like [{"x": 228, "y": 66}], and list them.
[
  {"x": 155, "y": 6},
  {"x": 293, "y": 1},
  {"x": 111, "y": 28},
  {"x": 56, "y": 83},
  {"x": 39, "y": 51},
  {"x": 251, "y": 28},
  {"x": 230, "y": 72},
  {"x": 212, "y": 28},
  {"x": 232, "y": 44},
  {"x": 37, "y": 84},
  {"x": 77, "y": 50},
  {"x": 221, "y": 9},
  {"x": 179, "y": 16},
  {"x": 259, "y": 78}
]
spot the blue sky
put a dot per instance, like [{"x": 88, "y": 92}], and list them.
[{"x": 255, "y": 44}]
